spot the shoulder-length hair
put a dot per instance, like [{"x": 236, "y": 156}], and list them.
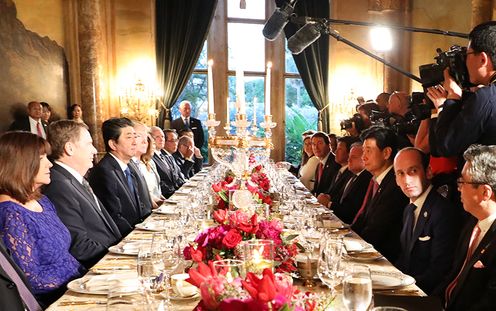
[
  {"x": 20, "y": 154},
  {"x": 147, "y": 156}
]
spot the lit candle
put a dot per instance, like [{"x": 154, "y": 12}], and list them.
[
  {"x": 240, "y": 91},
  {"x": 267, "y": 89},
  {"x": 210, "y": 87},
  {"x": 254, "y": 111}
]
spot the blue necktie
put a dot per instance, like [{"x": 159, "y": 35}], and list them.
[{"x": 130, "y": 182}]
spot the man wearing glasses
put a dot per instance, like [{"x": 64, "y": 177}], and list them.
[
  {"x": 471, "y": 119},
  {"x": 471, "y": 285}
]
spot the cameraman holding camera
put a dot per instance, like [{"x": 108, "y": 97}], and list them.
[{"x": 471, "y": 119}]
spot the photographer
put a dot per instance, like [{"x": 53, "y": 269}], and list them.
[
  {"x": 471, "y": 119},
  {"x": 405, "y": 122}
]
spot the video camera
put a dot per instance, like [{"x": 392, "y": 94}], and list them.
[
  {"x": 454, "y": 59},
  {"x": 348, "y": 123}
]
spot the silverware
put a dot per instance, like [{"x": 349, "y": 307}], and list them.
[
  {"x": 80, "y": 303},
  {"x": 396, "y": 291}
]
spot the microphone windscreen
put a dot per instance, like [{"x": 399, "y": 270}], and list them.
[
  {"x": 305, "y": 36},
  {"x": 276, "y": 22}
]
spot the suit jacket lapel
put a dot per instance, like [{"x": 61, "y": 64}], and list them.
[
  {"x": 88, "y": 196},
  {"x": 423, "y": 217},
  {"x": 486, "y": 241},
  {"x": 122, "y": 178}
]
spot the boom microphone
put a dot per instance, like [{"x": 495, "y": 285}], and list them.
[
  {"x": 305, "y": 36},
  {"x": 276, "y": 23}
]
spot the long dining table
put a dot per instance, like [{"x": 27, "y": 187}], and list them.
[{"x": 116, "y": 263}]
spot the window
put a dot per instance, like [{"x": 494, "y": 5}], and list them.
[
  {"x": 196, "y": 92},
  {"x": 237, "y": 40},
  {"x": 301, "y": 114}
]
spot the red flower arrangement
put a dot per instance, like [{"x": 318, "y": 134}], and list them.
[
  {"x": 222, "y": 241},
  {"x": 268, "y": 292}
]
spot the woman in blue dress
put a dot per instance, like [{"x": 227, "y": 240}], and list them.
[{"x": 29, "y": 226}]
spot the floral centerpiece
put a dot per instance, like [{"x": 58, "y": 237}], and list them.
[
  {"x": 258, "y": 184},
  {"x": 222, "y": 241},
  {"x": 267, "y": 292}
]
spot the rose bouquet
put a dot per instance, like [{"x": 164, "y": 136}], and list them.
[
  {"x": 222, "y": 241},
  {"x": 268, "y": 292}
]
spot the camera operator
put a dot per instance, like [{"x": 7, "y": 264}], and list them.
[
  {"x": 462, "y": 121},
  {"x": 404, "y": 123},
  {"x": 354, "y": 125}
]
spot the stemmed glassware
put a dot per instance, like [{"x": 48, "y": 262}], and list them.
[
  {"x": 166, "y": 246},
  {"x": 357, "y": 288},
  {"x": 328, "y": 264}
]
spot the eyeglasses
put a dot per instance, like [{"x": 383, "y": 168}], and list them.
[
  {"x": 172, "y": 140},
  {"x": 461, "y": 182}
]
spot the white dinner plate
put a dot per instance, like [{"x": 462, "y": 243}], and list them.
[
  {"x": 175, "y": 297},
  {"x": 105, "y": 280},
  {"x": 126, "y": 248},
  {"x": 151, "y": 226},
  {"x": 166, "y": 209},
  {"x": 390, "y": 280}
]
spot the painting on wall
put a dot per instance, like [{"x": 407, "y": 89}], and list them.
[{"x": 32, "y": 68}]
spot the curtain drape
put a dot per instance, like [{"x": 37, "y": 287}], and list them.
[
  {"x": 313, "y": 62},
  {"x": 181, "y": 29}
]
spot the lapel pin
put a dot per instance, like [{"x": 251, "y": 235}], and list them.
[{"x": 425, "y": 214}]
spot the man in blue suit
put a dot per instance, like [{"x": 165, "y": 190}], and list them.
[{"x": 430, "y": 222}]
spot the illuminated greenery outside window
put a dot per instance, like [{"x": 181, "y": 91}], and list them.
[{"x": 301, "y": 114}]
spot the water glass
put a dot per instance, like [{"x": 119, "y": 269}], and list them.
[
  {"x": 357, "y": 288},
  {"x": 231, "y": 268}
]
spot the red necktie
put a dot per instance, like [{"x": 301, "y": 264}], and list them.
[
  {"x": 38, "y": 129},
  {"x": 372, "y": 188},
  {"x": 320, "y": 169},
  {"x": 471, "y": 247}
]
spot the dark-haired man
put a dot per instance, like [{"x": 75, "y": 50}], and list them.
[
  {"x": 188, "y": 157},
  {"x": 32, "y": 122},
  {"x": 430, "y": 222},
  {"x": 343, "y": 175},
  {"x": 114, "y": 181},
  {"x": 328, "y": 168},
  {"x": 471, "y": 119},
  {"x": 379, "y": 220},
  {"x": 91, "y": 227}
]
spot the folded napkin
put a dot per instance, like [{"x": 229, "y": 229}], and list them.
[
  {"x": 353, "y": 245},
  {"x": 129, "y": 247},
  {"x": 167, "y": 209},
  {"x": 102, "y": 283}
]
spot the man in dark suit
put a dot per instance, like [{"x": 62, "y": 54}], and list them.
[
  {"x": 91, "y": 227},
  {"x": 114, "y": 181},
  {"x": 188, "y": 157},
  {"x": 186, "y": 121},
  {"x": 343, "y": 175},
  {"x": 328, "y": 168},
  {"x": 430, "y": 222},
  {"x": 167, "y": 183},
  {"x": 32, "y": 122},
  {"x": 14, "y": 288},
  {"x": 170, "y": 147},
  {"x": 464, "y": 120},
  {"x": 471, "y": 285},
  {"x": 379, "y": 220},
  {"x": 346, "y": 204}
]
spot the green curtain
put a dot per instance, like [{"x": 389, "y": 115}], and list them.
[
  {"x": 313, "y": 62},
  {"x": 181, "y": 29}
]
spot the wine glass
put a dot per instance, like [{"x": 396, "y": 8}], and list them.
[
  {"x": 357, "y": 288},
  {"x": 149, "y": 269}
]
